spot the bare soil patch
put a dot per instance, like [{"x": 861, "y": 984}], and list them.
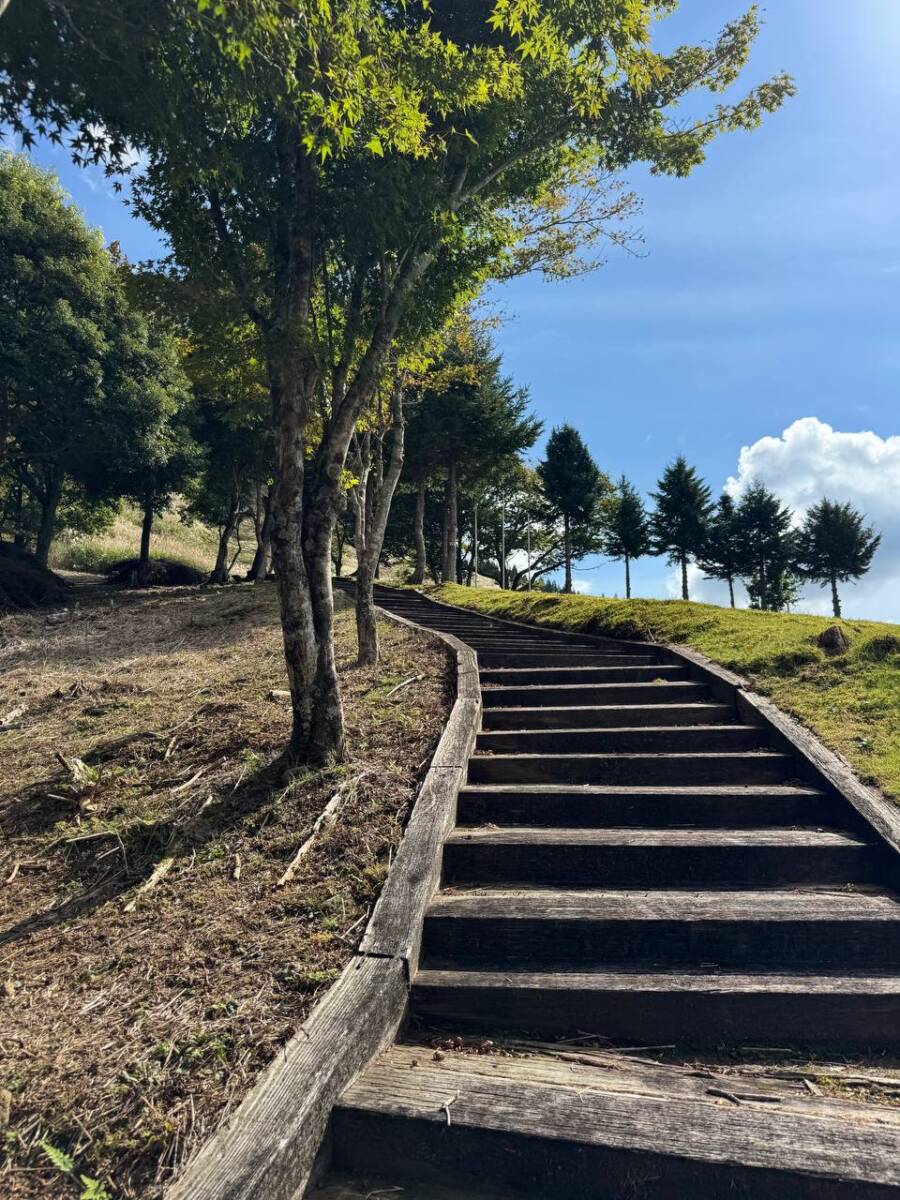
[{"x": 137, "y": 737}]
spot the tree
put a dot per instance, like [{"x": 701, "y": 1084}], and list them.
[
  {"x": 88, "y": 385},
  {"x": 470, "y": 421},
  {"x": 371, "y": 498},
  {"x": 350, "y": 172},
  {"x": 574, "y": 487},
  {"x": 833, "y": 545},
  {"x": 766, "y": 549},
  {"x": 680, "y": 521},
  {"x": 627, "y": 534},
  {"x": 721, "y": 555}
]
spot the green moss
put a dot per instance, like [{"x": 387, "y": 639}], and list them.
[{"x": 852, "y": 701}]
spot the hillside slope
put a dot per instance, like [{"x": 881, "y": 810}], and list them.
[{"x": 852, "y": 700}]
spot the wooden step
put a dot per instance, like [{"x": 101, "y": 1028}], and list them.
[
  {"x": 635, "y": 858},
  {"x": 545, "y": 676},
  {"x": 653, "y": 807},
  {"x": 808, "y": 927},
  {"x": 609, "y": 715},
  {"x": 722, "y": 767},
  {"x": 676, "y": 739},
  {"x": 584, "y": 1132},
  {"x": 690, "y": 1008},
  {"x": 563, "y": 695}
]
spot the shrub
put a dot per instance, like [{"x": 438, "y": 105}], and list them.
[
  {"x": 163, "y": 572},
  {"x": 24, "y": 583}
]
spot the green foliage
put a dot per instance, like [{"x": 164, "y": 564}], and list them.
[
  {"x": 851, "y": 700},
  {"x": 680, "y": 521},
  {"x": 722, "y": 550},
  {"x": 574, "y": 488},
  {"x": 91, "y": 1189},
  {"x": 834, "y": 545},
  {"x": 89, "y": 386},
  {"x": 627, "y": 533}
]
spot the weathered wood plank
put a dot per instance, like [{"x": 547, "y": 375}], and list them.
[
  {"x": 268, "y": 1146},
  {"x": 591, "y": 1134}
]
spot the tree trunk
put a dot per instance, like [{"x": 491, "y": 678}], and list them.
[
  {"x": 835, "y": 598},
  {"x": 146, "y": 530},
  {"x": 259, "y": 568},
  {"x": 220, "y": 570},
  {"x": 49, "y": 505},
  {"x": 418, "y": 575},
  {"x": 731, "y": 590},
  {"x": 375, "y": 495},
  {"x": 304, "y": 594},
  {"x": 627, "y": 577},
  {"x": 448, "y": 572},
  {"x": 684, "y": 578},
  {"x": 567, "y": 551}
]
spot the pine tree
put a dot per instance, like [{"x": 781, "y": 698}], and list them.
[
  {"x": 722, "y": 553},
  {"x": 766, "y": 549},
  {"x": 628, "y": 529},
  {"x": 574, "y": 487},
  {"x": 680, "y": 524},
  {"x": 834, "y": 546}
]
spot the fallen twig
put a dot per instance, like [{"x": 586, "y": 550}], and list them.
[
  {"x": 164, "y": 866},
  {"x": 405, "y": 683},
  {"x": 325, "y": 820},
  {"x": 10, "y": 718}
]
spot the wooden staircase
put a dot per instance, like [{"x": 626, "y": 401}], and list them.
[{"x": 632, "y": 866}]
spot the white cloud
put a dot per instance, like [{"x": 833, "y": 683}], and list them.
[
  {"x": 811, "y": 460},
  {"x": 582, "y": 587}
]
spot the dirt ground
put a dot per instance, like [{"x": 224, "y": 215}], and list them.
[{"x": 150, "y": 963}]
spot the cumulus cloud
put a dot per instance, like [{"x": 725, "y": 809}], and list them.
[
  {"x": 811, "y": 460},
  {"x": 583, "y": 587}
]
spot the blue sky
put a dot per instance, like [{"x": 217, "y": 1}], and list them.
[{"x": 769, "y": 293}]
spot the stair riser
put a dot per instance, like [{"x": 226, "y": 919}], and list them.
[
  {"x": 684, "y": 740},
  {"x": 513, "y": 677},
  {"x": 617, "y": 693},
  {"x": 623, "y": 770},
  {"x": 611, "y": 716},
  {"x": 557, "y": 658},
  {"x": 654, "y": 812},
  {"x": 685, "y": 1017},
  {"x": 656, "y": 866},
  {"x": 549, "y": 941},
  {"x": 451, "y": 1154}
]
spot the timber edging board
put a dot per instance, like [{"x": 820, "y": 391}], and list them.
[{"x": 268, "y": 1148}]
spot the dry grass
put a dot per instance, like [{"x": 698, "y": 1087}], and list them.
[
  {"x": 172, "y": 538},
  {"x": 127, "y": 1035}
]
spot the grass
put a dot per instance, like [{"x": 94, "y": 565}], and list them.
[
  {"x": 132, "y": 1022},
  {"x": 194, "y": 544},
  {"x": 852, "y": 701}
]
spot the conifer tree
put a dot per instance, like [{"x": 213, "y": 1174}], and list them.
[
  {"x": 574, "y": 487},
  {"x": 766, "y": 549},
  {"x": 834, "y": 546},
  {"x": 680, "y": 523},
  {"x": 628, "y": 529},
  {"x": 721, "y": 555}
]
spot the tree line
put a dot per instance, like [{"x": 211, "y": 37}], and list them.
[
  {"x": 519, "y": 526},
  {"x": 343, "y": 181}
]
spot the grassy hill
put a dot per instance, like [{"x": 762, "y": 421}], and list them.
[
  {"x": 852, "y": 700},
  {"x": 194, "y": 544}
]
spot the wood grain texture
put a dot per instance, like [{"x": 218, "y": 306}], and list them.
[{"x": 586, "y": 1133}]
